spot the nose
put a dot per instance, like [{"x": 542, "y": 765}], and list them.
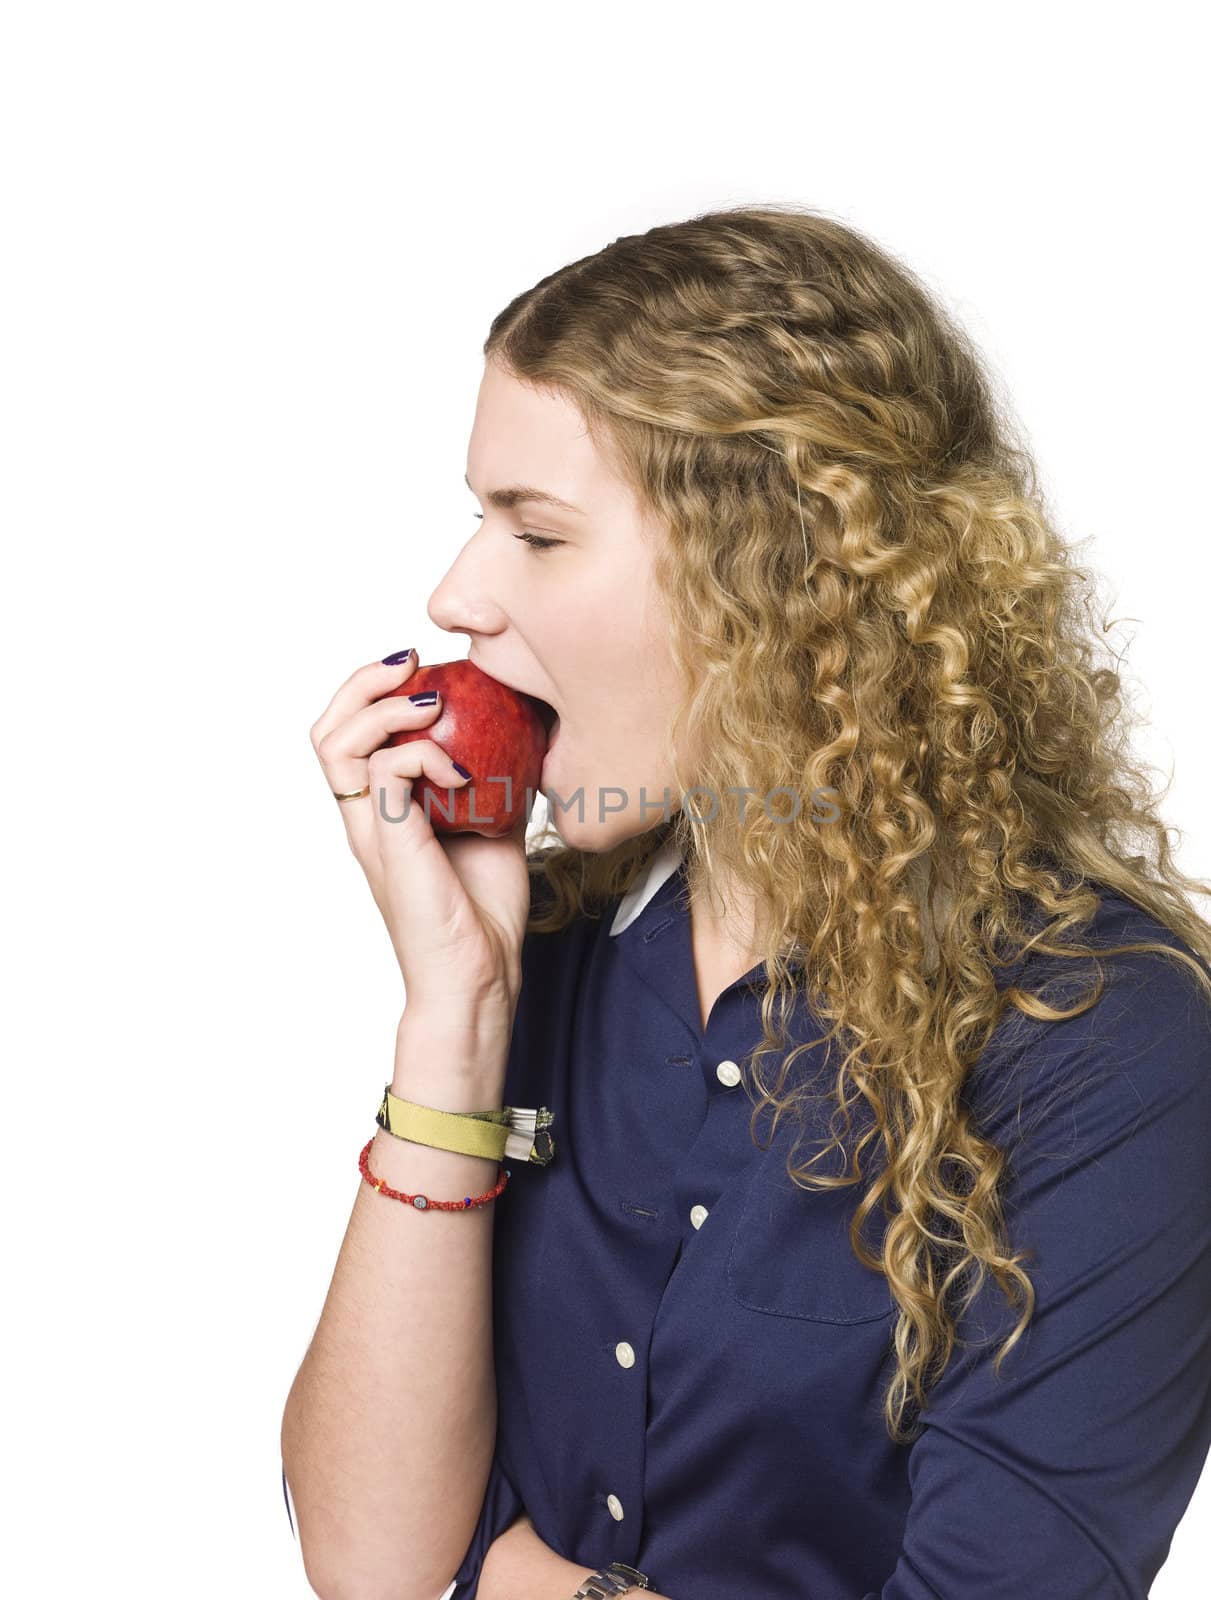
[{"x": 463, "y": 601}]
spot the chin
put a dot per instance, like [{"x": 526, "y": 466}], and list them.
[
  {"x": 580, "y": 835},
  {"x": 597, "y": 837}
]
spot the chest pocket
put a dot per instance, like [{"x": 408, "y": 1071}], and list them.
[{"x": 791, "y": 1255}]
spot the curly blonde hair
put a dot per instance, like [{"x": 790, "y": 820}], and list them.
[{"x": 869, "y": 599}]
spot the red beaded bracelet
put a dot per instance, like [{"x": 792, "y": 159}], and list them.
[{"x": 422, "y": 1202}]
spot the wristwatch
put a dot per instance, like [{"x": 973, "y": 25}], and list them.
[{"x": 617, "y": 1578}]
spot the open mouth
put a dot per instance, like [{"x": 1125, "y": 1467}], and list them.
[{"x": 548, "y": 714}]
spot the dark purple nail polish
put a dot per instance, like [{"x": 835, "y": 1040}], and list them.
[
  {"x": 398, "y": 659},
  {"x": 460, "y": 769},
  {"x": 426, "y": 697}
]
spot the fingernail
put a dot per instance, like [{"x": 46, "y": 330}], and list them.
[
  {"x": 398, "y": 659},
  {"x": 460, "y": 769},
  {"x": 427, "y": 697}
]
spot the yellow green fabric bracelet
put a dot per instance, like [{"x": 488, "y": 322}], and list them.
[{"x": 512, "y": 1132}]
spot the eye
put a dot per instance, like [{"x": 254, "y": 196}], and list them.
[{"x": 536, "y": 541}]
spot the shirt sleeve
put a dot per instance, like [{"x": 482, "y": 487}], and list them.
[
  {"x": 1066, "y": 1477},
  {"x": 501, "y": 1508}
]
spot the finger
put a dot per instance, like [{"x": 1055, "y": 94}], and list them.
[
  {"x": 361, "y": 688},
  {"x": 390, "y": 819},
  {"x": 343, "y": 752}
]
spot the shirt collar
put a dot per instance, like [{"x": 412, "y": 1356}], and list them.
[
  {"x": 664, "y": 863},
  {"x": 660, "y": 869}
]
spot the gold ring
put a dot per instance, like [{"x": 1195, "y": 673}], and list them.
[{"x": 356, "y": 795}]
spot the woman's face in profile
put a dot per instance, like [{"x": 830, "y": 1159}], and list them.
[{"x": 562, "y": 603}]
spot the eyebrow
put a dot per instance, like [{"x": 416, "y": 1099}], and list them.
[{"x": 518, "y": 493}]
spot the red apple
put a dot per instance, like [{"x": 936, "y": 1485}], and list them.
[{"x": 498, "y": 732}]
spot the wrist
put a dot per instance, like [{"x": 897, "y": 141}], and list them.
[{"x": 470, "y": 1049}]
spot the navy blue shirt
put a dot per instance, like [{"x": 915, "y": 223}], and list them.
[{"x": 690, "y": 1358}]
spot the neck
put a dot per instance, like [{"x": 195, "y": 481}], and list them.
[{"x": 726, "y": 919}]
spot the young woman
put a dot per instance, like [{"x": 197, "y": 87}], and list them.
[{"x": 873, "y": 1261}]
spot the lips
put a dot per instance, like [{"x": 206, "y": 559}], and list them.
[{"x": 545, "y": 710}]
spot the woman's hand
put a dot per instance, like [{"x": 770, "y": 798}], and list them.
[
  {"x": 518, "y": 1562},
  {"x": 455, "y": 905},
  {"x": 503, "y": 1558}
]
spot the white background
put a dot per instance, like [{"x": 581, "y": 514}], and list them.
[{"x": 251, "y": 254}]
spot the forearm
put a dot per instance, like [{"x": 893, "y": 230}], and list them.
[
  {"x": 521, "y": 1566},
  {"x": 389, "y": 1427}
]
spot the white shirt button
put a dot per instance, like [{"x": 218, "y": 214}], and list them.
[
  {"x": 729, "y": 1073},
  {"x": 615, "y": 1505},
  {"x": 699, "y": 1215},
  {"x": 625, "y": 1355}
]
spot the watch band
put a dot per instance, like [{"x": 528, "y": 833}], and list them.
[{"x": 617, "y": 1578}]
